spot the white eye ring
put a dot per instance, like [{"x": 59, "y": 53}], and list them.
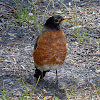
[{"x": 56, "y": 20}]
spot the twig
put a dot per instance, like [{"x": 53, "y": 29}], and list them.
[
  {"x": 36, "y": 2},
  {"x": 96, "y": 91},
  {"x": 88, "y": 54},
  {"x": 97, "y": 37}
]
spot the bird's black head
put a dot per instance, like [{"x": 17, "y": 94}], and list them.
[{"x": 54, "y": 22}]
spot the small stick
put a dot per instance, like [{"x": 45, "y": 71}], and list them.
[
  {"x": 88, "y": 54},
  {"x": 96, "y": 91}
]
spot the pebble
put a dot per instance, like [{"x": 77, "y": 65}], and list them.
[
  {"x": 97, "y": 71},
  {"x": 92, "y": 68}
]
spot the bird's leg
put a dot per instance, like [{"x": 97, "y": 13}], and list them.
[
  {"x": 56, "y": 78},
  {"x": 42, "y": 80}
]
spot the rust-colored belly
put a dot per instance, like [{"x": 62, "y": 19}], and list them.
[{"x": 51, "y": 49}]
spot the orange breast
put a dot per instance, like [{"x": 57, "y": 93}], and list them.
[{"x": 51, "y": 49}]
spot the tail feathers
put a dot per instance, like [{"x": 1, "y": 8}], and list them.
[{"x": 39, "y": 73}]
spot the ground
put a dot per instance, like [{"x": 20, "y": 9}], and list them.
[{"x": 78, "y": 78}]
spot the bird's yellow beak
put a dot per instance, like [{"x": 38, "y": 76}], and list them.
[{"x": 65, "y": 20}]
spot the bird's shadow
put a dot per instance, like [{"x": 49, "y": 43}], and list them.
[
  {"x": 49, "y": 84},
  {"x": 41, "y": 83}
]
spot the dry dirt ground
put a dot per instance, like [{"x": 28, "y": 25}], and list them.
[{"x": 81, "y": 69}]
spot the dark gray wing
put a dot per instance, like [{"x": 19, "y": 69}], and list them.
[
  {"x": 43, "y": 31},
  {"x": 35, "y": 45}
]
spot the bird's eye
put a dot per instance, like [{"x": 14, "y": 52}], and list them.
[{"x": 56, "y": 20}]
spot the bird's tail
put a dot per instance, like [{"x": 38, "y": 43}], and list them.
[{"x": 39, "y": 73}]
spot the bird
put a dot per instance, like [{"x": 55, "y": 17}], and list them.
[{"x": 50, "y": 48}]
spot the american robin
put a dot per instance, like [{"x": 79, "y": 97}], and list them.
[{"x": 50, "y": 47}]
